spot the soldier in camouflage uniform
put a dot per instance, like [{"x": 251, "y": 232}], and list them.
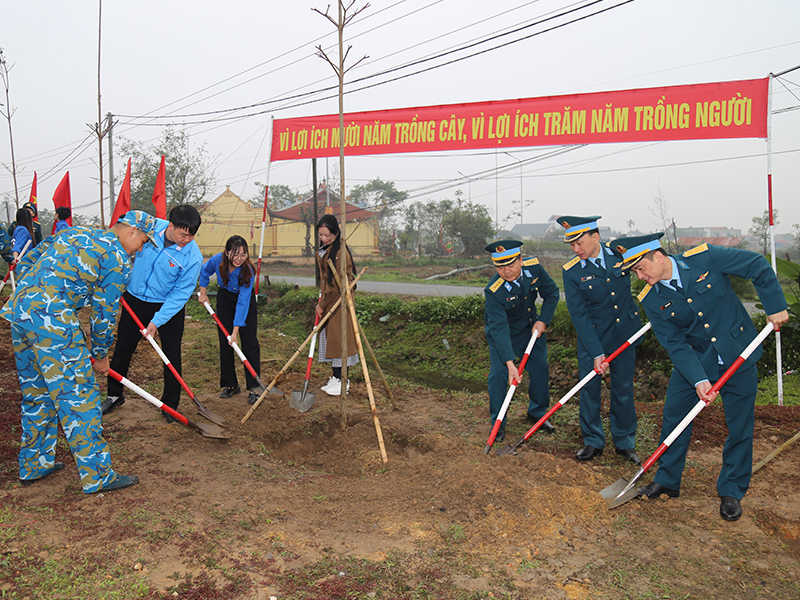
[{"x": 79, "y": 268}]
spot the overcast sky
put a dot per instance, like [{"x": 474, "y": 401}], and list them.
[{"x": 173, "y": 58}]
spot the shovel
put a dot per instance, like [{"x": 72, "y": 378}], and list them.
[
  {"x": 299, "y": 350},
  {"x": 12, "y": 266},
  {"x": 211, "y": 416},
  {"x": 303, "y": 401},
  {"x": 622, "y": 491},
  {"x": 513, "y": 449},
  {"x": 209, "y": 431},
  {"x": 512, "y": 388},
  {"x": 238, "y": 350}
]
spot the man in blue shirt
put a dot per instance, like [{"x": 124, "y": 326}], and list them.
[
  {"x": 602, "y": 310},
  {"x": 704, "y": 327},
  {"x": 162, "y": 281},
  {"x": 511, "y": 317},
  {"x": 79, "y": 268}
]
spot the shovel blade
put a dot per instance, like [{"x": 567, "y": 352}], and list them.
[
  {"x": 275, "y": 391},
  {"x": 615, "y": 489},
  {"x": 306, "y": 402},
  {"x": 210, "y": 431},
  {"x": 210, "y": 415},
  {"x": 507, "y": 449}
]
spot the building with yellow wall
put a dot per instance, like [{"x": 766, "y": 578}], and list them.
[{"x": 289, "y": 230}]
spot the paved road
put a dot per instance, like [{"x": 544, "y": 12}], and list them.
[
  {"x": 424, "y": 289},
  {"x": 392, "y": 287}
]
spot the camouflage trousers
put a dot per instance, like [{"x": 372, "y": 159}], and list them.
[{"x": 58, "y": 386}]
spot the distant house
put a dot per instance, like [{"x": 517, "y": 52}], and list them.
[
  {"x": 228, "y": 215},
  {"x": 289, "y": 230}
]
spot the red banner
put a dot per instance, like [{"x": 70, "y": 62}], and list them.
[{"x": 733, "y": 109}]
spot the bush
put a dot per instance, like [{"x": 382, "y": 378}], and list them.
[{"x": 790, "y": 347}]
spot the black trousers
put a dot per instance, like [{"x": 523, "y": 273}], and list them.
[
  {"x": 128, "y": 337},
  {"x": 248, "y": 341}
]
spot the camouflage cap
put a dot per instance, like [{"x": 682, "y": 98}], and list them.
[{"x": 143, "y": 222}]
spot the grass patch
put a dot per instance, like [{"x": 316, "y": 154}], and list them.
[{"x": 768, "y": 390}]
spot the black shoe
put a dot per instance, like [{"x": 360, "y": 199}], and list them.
[
  {"x": 230, "y": 391},
  {"x": 168, "y": 418},
  {"x": 111, "y": 403},
  {"x": 56, "y": 467},
  {"x": 630, "y": 455},
  {"x": 729, "y": 508},
  {"x": 654, "y": 490},
  {"x": 547, "y": 426},
  {"x": 255, "y": 394},
  {"x": 501, "y": 434},
  {"x": 588, "y": 453}
]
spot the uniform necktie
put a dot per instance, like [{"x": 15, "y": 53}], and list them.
[
  {"x": 674, "y": 283},
  {"x": 599, "y": 263}
]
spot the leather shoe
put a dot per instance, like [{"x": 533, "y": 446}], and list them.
[
  {"x": 588, "y": 453},
  {"x": 630, "y": 455},
  {"x": 57, "y": 467},
  {"x": 501, "y": 434},
  {"x": 654, "y": 490},
  {"x": 230, "y": 391},
  {"x": 547, "y": 426},
  {"x": 729, "y": 508},
  {"x": 111, "y": 403}
]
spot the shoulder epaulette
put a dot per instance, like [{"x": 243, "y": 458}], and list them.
[
  {"x": 697, "y": 250},
  {"x": 530, "y": 262},
  {"x": 571, "y": 263},
  {"x": 644, "y": 292},
  {"x": 496, "y": 285}
]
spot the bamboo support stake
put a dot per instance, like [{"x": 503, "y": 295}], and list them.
[
  {"x": 372, "y": 404},
  {"x": 775, "y": 453},
  {"x": 322, "y": 322},
  {"x": 377, "y": 366}
]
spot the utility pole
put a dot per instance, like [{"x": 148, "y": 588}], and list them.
[{"x": 110, "y": 128}]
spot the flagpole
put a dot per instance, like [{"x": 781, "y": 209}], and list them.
[
  {"x": 778, "y": 361},
  {"x": 264, "y": 216}
]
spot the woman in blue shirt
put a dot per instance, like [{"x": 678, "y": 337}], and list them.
[
  {"x": 23, "y": 232},
  {"x": 236, "y": 308}
]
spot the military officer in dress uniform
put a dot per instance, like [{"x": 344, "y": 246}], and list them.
[
  {"x": 511, "y": 316},
  {"x": 704, "y": 327},
  {"x": 604, "y": 315}
]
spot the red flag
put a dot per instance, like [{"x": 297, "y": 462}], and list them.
[
  {"x": 63, "y": 197},
  {"x": 33, "y": 198},
  {"x": 124, "y": 201},
  {"x": 160, "y": 193}
]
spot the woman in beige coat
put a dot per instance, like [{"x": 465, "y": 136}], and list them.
[{"x": 330, "y": 341}]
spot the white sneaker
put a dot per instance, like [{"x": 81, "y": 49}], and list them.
[
  {"x": 335, "y": 389},
  {"x": 331, "y": 381}
]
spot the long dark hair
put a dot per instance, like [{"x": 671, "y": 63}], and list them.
[
  {"x": 24, "y": 219},
  {"x": 234, "y": 243},
  {"x": 332, "y": 223}
]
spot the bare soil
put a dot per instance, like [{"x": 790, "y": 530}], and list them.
[{"x": 287, "y": 504}]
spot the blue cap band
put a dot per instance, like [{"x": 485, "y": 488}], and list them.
[
  {"x": 506, "y": 253},
  {"x": 641, "y": 249},
  {"x": 581, "y": 227}
]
